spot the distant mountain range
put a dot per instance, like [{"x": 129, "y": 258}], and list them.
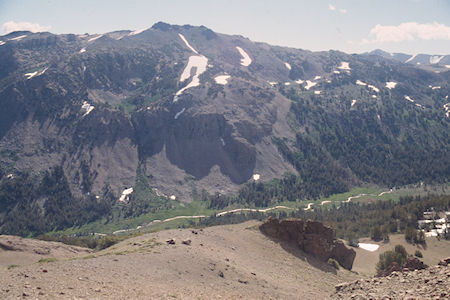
[
  {"x": 133, "y": 120},
  {"x": 417, "y": 59}
]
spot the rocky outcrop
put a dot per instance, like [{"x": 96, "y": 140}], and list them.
[{"x": 312, "y": 237}]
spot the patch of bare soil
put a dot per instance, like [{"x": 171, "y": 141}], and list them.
[
  {"x": 17, "y": 251},
  {"x": 222, "y": 262}
]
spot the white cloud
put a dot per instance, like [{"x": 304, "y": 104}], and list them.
[
  {"x": 334, "y": 8},
  {"x": 409, "y": 31},
  {"x": 19, "y": 26}
]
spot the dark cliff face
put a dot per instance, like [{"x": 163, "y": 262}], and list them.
[{"x": 105, "y": 106}]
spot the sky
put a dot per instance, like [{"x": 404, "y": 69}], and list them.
[{"x": 352, "y": 26}]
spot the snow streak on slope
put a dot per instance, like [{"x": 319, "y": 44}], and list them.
[
  {"x": 359, "y": 82},
  {"x": 187, "y": 43},
  {"x": 83, "y": 50},
  {"x": 411, "y": 58},
  {"x": 2, "y": 43},
  {"x": 178, "y": 114},
  {"x": 374, "y": 88},
  {"x": 245, "y": 60},
  {"x": 34, "y": 74},
  {"x": 288, "y": 65},
  {"x": 95, "y": 38},
  {"x": 18, "y": 38}
]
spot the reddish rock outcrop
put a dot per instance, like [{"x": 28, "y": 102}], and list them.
[{"x": 312, "y": 237}]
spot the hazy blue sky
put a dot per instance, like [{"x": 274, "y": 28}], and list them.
[{"x": 410, "y": 26}]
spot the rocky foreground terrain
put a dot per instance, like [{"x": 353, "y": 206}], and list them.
[
  {"x": 221, "y": 262},
  {"x": 430, "y": 283},
  {"x": 228, "y": 262}
]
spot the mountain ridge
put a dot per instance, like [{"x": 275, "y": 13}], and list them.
[{"x": 144, "y": 109}]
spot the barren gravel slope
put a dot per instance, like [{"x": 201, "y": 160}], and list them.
[{"x": 229, "y": 262}]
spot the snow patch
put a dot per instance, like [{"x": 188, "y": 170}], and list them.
[
  {"x": 83, "y": 50},
  {"x": 299, "y": 81},
  {"x": 222, "y": 141},
  {"x": 309, "y": 84},
  {"x": 447, "y": 109},
  {"x": 391, "y": 84},
  {"x": 125, "y": 197},
  {"x": 317, "y": 92},
  {"x": 137, "y": 31},
  {"x": 287, "y": 83},
  {"x": 34, "y": 74},
  {"x": 272, "y": 83},
  {"x": 325, "y": 202},
  {"x": 359, "y": 82},
  {"x": 245, "y": 60},
  {"x": 256, "y": 177},
  {"x": 317, "y": 77},
  {"x": 336, "y": 72},
  {"x": 288, "y": 65},
  {"x": 222, "y": 79},
  {"x": 344, "y": 66},
  {"x": 409, "y": 99},
  {"x": 95, "y": 38},
  {"x": 187, "y": 43},
  {"x": 435, "y": 59},
  {"x": 411, "y": 58},
  {"x": 198, "y": 62},
  {"x": 173, "y": 197},
  {"x": 178, "y": 114},
  {"x": 447, "y": 66},
  {"x": 369, "y": 247},
  {"x": 18, "y": 38},
  {"x": 353, "y": 102},
  {"x": 374, "y": 96},
  {"x": 435, "y": 87},
  {"x": 2, "y": 43},
  {"x": 374, "y": 88},
  {"x": 309, "y": 206},
  {"x": 87, "y": 108}
]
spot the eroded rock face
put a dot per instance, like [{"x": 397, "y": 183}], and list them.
[{"x": 312, "y": 237}]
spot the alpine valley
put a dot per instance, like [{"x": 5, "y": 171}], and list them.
[{"x": 116, "y": 125}]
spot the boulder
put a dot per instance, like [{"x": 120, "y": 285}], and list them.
[
  {"x": 345, "y": 256},
  {"x": 444, "y": 261}
]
